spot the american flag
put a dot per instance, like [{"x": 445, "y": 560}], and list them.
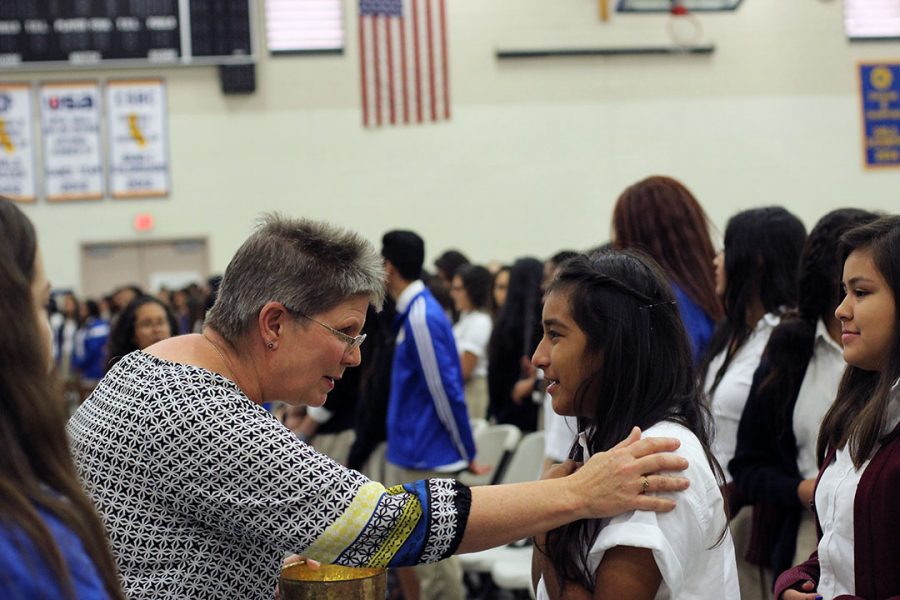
[{"x": 404, "y": 74}]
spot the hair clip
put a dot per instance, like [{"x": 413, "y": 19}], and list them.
[{"x": 649, "y": 306}]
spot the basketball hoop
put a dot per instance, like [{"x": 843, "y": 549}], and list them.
[{"x": 683, "y": 27}]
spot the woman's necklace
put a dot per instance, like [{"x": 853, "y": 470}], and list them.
[{"x": 222, "y": 357}]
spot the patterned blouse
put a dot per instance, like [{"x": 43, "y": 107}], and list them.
[{"x": 203, "y": 492}]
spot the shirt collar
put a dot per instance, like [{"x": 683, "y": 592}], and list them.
[
  {"x": 407, "y": 295},
  {"x": 893, "y": 411},
  {"x": 822, "y": 334}
]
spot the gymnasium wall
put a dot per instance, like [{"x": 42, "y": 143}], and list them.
[{"x": 536, "y": 151}]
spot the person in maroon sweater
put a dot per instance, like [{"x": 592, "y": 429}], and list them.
[{"x": 856, "y": 503}]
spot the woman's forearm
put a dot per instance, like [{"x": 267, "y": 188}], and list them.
[{"x": 501, "y": 514}]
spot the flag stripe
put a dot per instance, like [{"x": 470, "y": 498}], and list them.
[
  {"x": 377, "y": 69},
  {"x": 445, "y": 62},
  {"x": 390, "y": 69},
  {"x": 403, "y": 74},
  {"x": 418, "y": 76},
  {"x": 363, "y": 84},
  {"x": 431, "y": 74}
]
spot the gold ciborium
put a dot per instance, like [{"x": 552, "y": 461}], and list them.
[{"x": 332, "y": 582}]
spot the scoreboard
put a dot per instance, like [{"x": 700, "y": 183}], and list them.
[{"x": 47, "y": 34}]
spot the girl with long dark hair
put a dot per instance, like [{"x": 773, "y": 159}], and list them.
[
  {"x": 660, "y": 216},
  {"x": 498, "y": 290},
  {"x": 756, "y": 276},
  {"x": 775, "y": 462},
  {"x": 859, "y": 443},
  {"x": 515, "y": 336},
  {"x": 52, "y": 545},
  {"x": 616, "y": 354}
]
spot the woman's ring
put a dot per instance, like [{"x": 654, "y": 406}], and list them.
[{"x": 645, "y": 484}]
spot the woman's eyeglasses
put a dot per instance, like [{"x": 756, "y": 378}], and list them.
[{"x": 351, "y": 341}]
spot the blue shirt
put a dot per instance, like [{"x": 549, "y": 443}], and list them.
[
  {"x": 698, "y": 324},
  {"x": 24, "y": 574},
  {"x": 90, "y": 349}
]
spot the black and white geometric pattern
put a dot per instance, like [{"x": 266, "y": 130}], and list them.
[
  {"x": 443, "y": 524},
  {"x": 203, "y": 491}
]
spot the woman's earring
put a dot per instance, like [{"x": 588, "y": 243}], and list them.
[{"x": 270, "y": 345}]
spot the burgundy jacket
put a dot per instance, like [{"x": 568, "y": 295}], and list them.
[{"x": 876, "y": 530}]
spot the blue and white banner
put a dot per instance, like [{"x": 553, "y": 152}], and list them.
[
  {"x": 70, "y": 123},
  {"x": 138, "y": 138},
  {"x": 17, "y": 180},
  {"x": 880, "y": 90}
]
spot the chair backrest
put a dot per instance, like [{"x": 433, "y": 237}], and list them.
[
  {"x": 492, "y": 446},
  {"x": 477, "y": 425},
  {"x": 526, "y": 462}
]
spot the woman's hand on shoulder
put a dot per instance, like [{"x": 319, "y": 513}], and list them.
[{"x": 620, "y": 480}]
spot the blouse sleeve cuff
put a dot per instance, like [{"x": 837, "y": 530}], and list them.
[
  {"x": 463, "y": 503},
  {"x": 791, "y": 579}
]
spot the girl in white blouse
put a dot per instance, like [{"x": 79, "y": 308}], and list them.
[
  {"x": 471, "y": 292},
  {"x": 616, "y": 354},
  {"x": 859, "y": 443},
  {"x": 756, "y": 276}
]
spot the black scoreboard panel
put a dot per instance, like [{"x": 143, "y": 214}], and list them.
[
  {"x": 37, "y": 33},
  {"x": 220, "y": 27}
]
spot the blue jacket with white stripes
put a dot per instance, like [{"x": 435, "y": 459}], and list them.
[{"x": 427, "y": 424}]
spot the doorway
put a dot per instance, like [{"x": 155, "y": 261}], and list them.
[{"x": 151, "y": 265}]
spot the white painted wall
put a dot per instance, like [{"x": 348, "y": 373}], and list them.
[{"x": 537, "y": 151}]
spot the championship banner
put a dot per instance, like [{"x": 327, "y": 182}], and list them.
[
  {"x": 70, "y": 123},
  {"x": 880, "y": 90},
  {"x": 16, "y": 143},
  {"x": 138, "y": 138}
]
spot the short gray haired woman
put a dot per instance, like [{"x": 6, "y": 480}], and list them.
[{"x": 202, "y": 491}]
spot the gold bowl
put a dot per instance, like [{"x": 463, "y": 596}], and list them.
[{"x": 332, "y": 582}]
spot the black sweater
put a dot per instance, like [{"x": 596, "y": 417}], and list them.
[{"x": 764, "y": 466}]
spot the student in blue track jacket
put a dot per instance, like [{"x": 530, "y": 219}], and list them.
[{"x": 427, "y": 425}]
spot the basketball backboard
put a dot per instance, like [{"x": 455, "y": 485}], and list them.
[{"x": 666, "y": 5}]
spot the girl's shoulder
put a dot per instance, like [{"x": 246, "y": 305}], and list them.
[
  {"x": 700, "y": 473},
  {"x": 20, "y": 560},
  {"x": 675, "y": 430}
]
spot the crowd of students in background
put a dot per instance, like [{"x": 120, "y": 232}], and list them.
[
  {"x": 759, "y": 309},
  {"x": 90, "y": 334}
]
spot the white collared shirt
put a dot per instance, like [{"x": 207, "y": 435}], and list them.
[
  {"x": 731, "y": 395},
  {"x": 472, "y": 333},
  {"x": 817, "y": 394},
  {"x": 835, "y": 498},
  {"x": 684, "y": 542}
]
